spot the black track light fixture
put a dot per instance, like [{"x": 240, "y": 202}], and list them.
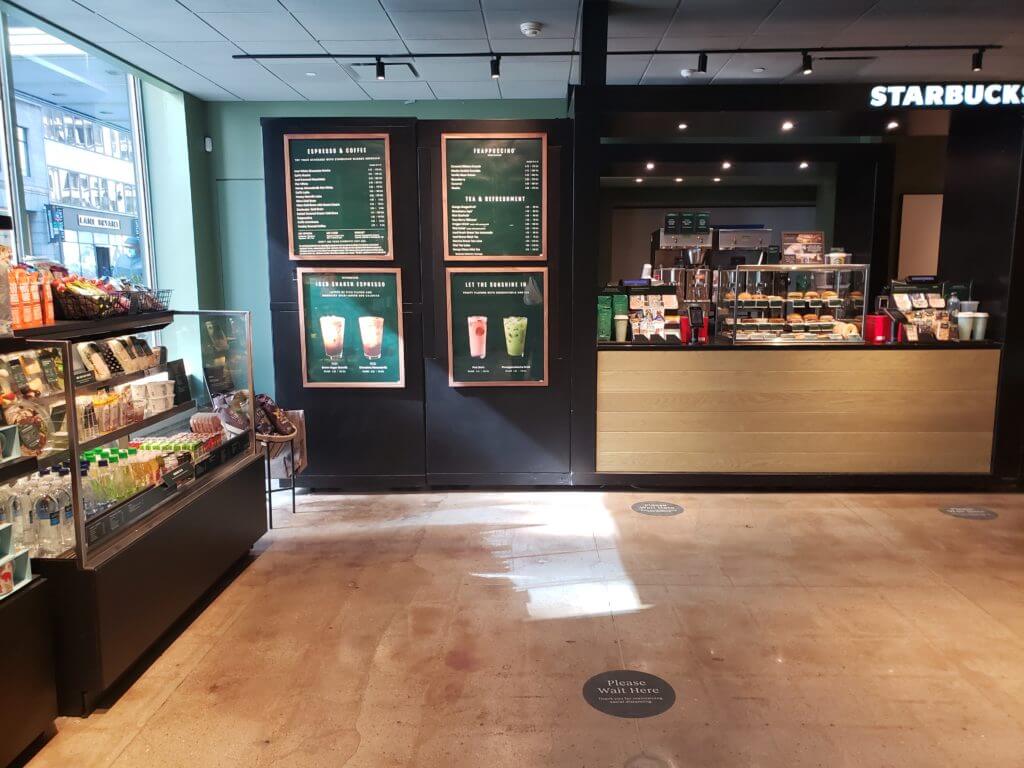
[
  {"x": 380, "y": 68},
  {"x": 495, "y": 67},
  {"x": 977, "y": 60},
  {"x": 702, "y": 63},
  {"x": 808, "y": 63}
]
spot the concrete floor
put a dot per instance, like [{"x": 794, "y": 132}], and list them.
[{"x": 458, "y": 630}]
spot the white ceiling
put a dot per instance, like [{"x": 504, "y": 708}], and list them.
[{"x": 189, "y": 43}]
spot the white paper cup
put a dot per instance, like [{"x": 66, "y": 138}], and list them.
[
  {"x": 968, "y": 306},
  {"x": 621, "y": 324},
  {"x": 139, "y": 391},
  {"x": 980, "y": 326}
]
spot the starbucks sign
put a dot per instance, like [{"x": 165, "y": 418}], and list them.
[{"x": 948, "y": 95}]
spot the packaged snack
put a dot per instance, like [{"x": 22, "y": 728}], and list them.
[
  {"x": 283, "y": 425},
  {"x": 32, "y": 421}
]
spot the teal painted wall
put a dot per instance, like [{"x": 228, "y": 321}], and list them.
[{"x": 236, "y": 180}]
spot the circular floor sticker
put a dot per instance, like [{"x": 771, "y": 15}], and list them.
[
  {"x": 627, "y": 693},
  {"x": 970, "y": 513},
  {"x": 659, "y": 508}
]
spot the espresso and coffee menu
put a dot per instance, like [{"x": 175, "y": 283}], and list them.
[
  {"x": 497, "y": 326},
  {"x": 338, "y": 196},
  {"x": 351, "y": 327},
  {"x": 494, "y": 196}
]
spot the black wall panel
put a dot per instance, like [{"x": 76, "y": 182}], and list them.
[
  {"x": 497, "y": 435},
  {"x": 357, "y": 437}
]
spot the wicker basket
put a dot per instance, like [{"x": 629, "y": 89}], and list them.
[{"x": 74, "y": 306}]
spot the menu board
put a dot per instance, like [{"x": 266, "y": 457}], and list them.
[
  {"x": 350, "y": 326},
  {"x": 803, "y": 247},
  {"x": 497, "y": 326},
  {"x": 338, "y": 189},
  {"x": 495, "y": 196}
]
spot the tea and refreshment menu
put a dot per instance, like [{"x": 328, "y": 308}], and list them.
[
  {"x": 494, "y": 196},
  {"x": 497, "y": 326},
  {"x": 339, "y": 196},
  {"x": 351, "y": 327}
]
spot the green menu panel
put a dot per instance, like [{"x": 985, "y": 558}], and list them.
[
  {"x": 338, "y": 189},
  {"x": 351, "y": 327},
  {"x": 497, "y": 326},
  {"x": 495, "y": 189}
]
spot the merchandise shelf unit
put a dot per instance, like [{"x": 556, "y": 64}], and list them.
[{"x": 156, "y": 511}]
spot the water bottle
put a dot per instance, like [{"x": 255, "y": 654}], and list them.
[
  {"x": 47, "y": 518},
  {"x": 62, "y": 488},
  {"x": 22, "y": 517}
]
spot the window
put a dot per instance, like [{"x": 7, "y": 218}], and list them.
[
  {"x": 21, "y": 136},
  {"x": 77, "y": 142}
]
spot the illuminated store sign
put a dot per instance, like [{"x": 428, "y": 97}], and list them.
[{"x": 951, "y": 95}]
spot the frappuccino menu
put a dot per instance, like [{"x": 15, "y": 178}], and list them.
[
  {"x": 494, "y": 188},
  {"x": 497, "y": 326},
  {"x": 351, "y": 327},
  {"x": 339, "y": 204}
]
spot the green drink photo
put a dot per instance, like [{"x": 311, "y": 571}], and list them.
[{"x": 515, "y": 335}]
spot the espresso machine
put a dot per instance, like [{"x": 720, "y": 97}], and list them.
[{"x": 689, "y": 272}]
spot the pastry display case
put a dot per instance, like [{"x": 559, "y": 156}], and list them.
[
  {"x": 123, "y": 425},
  {"x": 791, "y": 304}
]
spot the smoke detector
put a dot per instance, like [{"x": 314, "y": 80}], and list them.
[{"x": 531, "y": 28}]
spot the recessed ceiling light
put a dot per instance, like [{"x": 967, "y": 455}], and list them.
[
  {"x": 679, "y": 179},
  {"x": 716, "y": 179},
  {"x": 757, "y": 70},
  {"x": 106, "y": 112},
  {"x": 804, "y": 165},
  {"x": 59, "y": 95},
  {"x": 649, "y": 166},
  {"x": 726, "y": 165},
  {"x": 311, "y": 74},
  {"x": 787, "y": 125},
  {"x": 683, "y": 126},
  {"x": 638, "y": 180},
  {"x": 892, "y": 125}
]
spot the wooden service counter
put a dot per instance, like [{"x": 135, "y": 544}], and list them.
[{"x": 822, "y": 409}]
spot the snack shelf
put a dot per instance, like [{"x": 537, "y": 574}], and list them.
[
  {"x": 84, "y": 330},
  {"x": 15, "y": 468},
  {"x": 113, "y": 381}
]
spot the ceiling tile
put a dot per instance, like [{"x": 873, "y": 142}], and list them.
[
  {"x": 455, "y": 70},
  {"x": 294, "y": 71},
  {"x": 281, "y": 46},
  {"x": 557, "y": 21},
  {"x": 810, "y": 17},
  {"x": 243, "y": 78},
  {"x": 536, "y": 68},
  {"x": 331, "y": 91},
  {"x": 740, "y": 67},
  {"x": 448, "y": 46},
  {"x": 364, "y": 47},
  {"x": 627, "y": 70},
  {"x": 440, "y": 25},
  {"x": 534, "y": 44},
  {"x": 168, "y": 25},
  {"x": 72, "y": 16},
  {"x": 636, "y": 20},
  {"x": 533, "y": 89},
  {"x": 718, "y": 18},
  {"x": 527, "y": 6},
  {"x": 352, "y": 7},
  {"x": 231, "y": 6},
  {"x": 147, "y": 58},
  {"x": 487, "y": 89},
  {"x": 634, "y": 44},
  {"x": 367, "y": 24},
  {"x": 398, "y": 6},
  {"x": 395, "y": 71},
  {"x": 665, "y": 69},
  {"x": 385, "y": 91},
  {"x": 275, "y": 25}
]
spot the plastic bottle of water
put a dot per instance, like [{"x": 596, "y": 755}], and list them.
[
  {"x": 62, "y": 492},
  {"x": 22, "y": 517},
  {"x": 47, "y": 518}
]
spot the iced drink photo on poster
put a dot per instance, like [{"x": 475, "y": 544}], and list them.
[
  {"x": 477, "y": 335},
  {"x": 371, "y": 330},
  {"x": 515, "y": 335},
  {"x": 332, "y": 328}
]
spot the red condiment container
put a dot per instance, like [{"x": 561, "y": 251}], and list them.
[{"x": 877, "y": 329}]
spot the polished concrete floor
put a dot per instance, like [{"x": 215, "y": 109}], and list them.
[{"x": 458, "y": 630}]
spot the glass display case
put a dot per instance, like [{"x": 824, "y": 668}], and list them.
[
  {"x": 791, "y": 304},
  {"x": 118, "y": 427}
]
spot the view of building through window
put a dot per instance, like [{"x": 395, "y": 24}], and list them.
[{"x": 77, "y": 146}]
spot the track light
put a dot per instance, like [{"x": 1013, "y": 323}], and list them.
[
  {"x": 649, "y": 166},
  {"x": 638, "y": 180},
  {"x": 702, "y": 63},
  {"x": 787, "y": 125},
  {"x": 808, "y": 63},
  {"x": 495, "y": 67},
  {"x": 726, "y": 165},
  {"x": 976, "y": 60},
  {"x": 380, "y": 69},
  {"x": 892, "y": 125},
  {"x": 804, "y": 165}
]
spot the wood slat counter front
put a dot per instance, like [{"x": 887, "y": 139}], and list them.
[{"x": 797, "y": 410}]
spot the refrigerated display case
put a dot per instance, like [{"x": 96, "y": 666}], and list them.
[
  {"x": 151, "y": 461},
  {"x": 785, "y": 304}
]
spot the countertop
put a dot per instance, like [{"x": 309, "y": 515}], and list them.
[{"x": 605, "y": 346}]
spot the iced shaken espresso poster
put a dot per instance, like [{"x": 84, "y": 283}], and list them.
[
  {"x": 351, "y": 327},
  {"x": 497, "y": 326}
]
